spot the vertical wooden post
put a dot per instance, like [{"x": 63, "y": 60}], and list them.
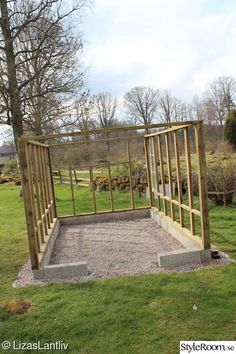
[
  {"x": 51, "y": 184},
  {"x": 42, "y": 191},
  {"x": 148, "y": 171},
  {"x": 110, "y": 187},
  {"x": 28, "y": 206},
  {"x": 202, "y": 182},
  {"x": 47, "y": 189},
  {"x": 189, "y": 178},
  {"x": 130, "y": 174},
  {"x": 179, "y": 179},
  {"x": 157, "y": 175},
  {"x": 71, "y": 183},
  {"x": 32, "y": 192},
  {"x": 162, "y": 173},
  {"x": 167, "y": 143},
  {"x": 36, "y": 182},
  {"x": 94, "y": 196}
]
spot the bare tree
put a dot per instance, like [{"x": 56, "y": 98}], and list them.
[
  {"x": 141, "y": 104},
  {"x": 105, "y": 107},
  {"x": 222, "y": 95},
  {"x": 31, "y": 39},
  {"x": 170, "y": 108}
]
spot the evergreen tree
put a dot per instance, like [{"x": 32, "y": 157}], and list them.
[{"x": 230, "y": 128}]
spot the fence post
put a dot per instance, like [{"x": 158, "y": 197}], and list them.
[
  {"x": 202, "y": 181},
  {"x": 24, "y": 168}
]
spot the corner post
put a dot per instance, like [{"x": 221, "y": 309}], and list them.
[{"x": 24, "y": 169}]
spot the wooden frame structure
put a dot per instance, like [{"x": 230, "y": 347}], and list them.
[
  {"x": 158, "y": 143},
  {"x": 38, "y": 186}
]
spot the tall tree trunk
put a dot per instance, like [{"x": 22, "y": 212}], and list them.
[{"x": 16, "y": 114}]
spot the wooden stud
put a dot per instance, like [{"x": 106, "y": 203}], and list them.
[
  {"x": 202, "y": 182},
  {"x": 110, "y": 188},
  {"x": 130, "y": 174},
  {"x": 189, "y": 179},
  {"x": 46, "y": 185},
  {"x": 28, "y": 206},
  {"x": 42, "y": 191},
  {"x": 71, "y": 183},
  {"x": 52, "y": 183},
  {"x": 179, "y": 179},
  {"x": 162, "y": 172},
  {"x": 32, "y": 193},
  {"x": 155, "y": 152},
  {"x": 148, "y": 171},
  {"x": 93, "y": 191},
  {"x": 169, "y": 170},
  {"x": 37, "y": 191}
]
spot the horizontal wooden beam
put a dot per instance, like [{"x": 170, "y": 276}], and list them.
[
  {"x": 97, "y": 140},
  {"x": 103, "y": 131},
  {"x": 171, "y": 129}
]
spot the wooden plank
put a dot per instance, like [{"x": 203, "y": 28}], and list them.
[
  {"x": 37, "y": 143},
  {"x": 130, "y": 174},
  {"x": 49, "y": 187},
  {"x": 179, "y": 179},
  {"x": 103, "y": 165},
  {"x": 27, "y": 204},
  {"x": 189, "y": 179},
  {"x": 37, "y": 190},
  {"x": 52, "y": 184},
  {"x": 93, "y": 191},
  {"x": 156, "y": 172},
  {"x": 46, "y": 187},
  {"x": 162, "y": 172},
  {"x": 108, "y": 130},
  {"x": 110, "y": 188},
  {"x": 71, "y": 182},
  {"x": 42, "y": 190},
  {"x": 202, "y": 181},
  {"x": 148, "y": 171},
  {"x": 92, "y": 141},
  {"x": 169, "y": 171},
  {"x": 31, "y": 177},
  {"x": 165, "y": 131}
]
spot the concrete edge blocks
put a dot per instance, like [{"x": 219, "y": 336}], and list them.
[
  {"x": 106, "y": 217},
  {"x": 192, "y": 251}
]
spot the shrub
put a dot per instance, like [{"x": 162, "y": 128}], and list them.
[
  {"x": 230, "y": 128},
  {"x": 221, "y": 177},
  {"x": 11, "y": 168}
]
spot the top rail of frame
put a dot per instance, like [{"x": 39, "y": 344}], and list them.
[
  {"x": 168, "y": 130},
  {"x": 108, "y": 130}
]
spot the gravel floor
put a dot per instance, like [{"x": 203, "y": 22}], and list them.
[{"x": 113, "y": 248}]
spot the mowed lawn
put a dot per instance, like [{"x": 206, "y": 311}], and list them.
[{"x": 139, "y": 314}]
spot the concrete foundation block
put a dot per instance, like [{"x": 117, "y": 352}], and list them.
[
  {"x": 106, "y": 217},
  {"x": 179, "y": 257},
  {"x": 65, "y": 271}
]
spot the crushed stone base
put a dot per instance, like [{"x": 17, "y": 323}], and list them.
[{"x": 112, "y": 249}]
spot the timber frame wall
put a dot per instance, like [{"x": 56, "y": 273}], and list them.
[{"x": 38, "y": 187}]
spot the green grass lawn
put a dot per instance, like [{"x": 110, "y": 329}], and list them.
[{"x": 138, "y": 314}]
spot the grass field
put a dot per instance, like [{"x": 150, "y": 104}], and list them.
[{"x": 138, "y": 314}]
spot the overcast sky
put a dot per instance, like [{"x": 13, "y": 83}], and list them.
[{"x": 180, "y": 45}]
